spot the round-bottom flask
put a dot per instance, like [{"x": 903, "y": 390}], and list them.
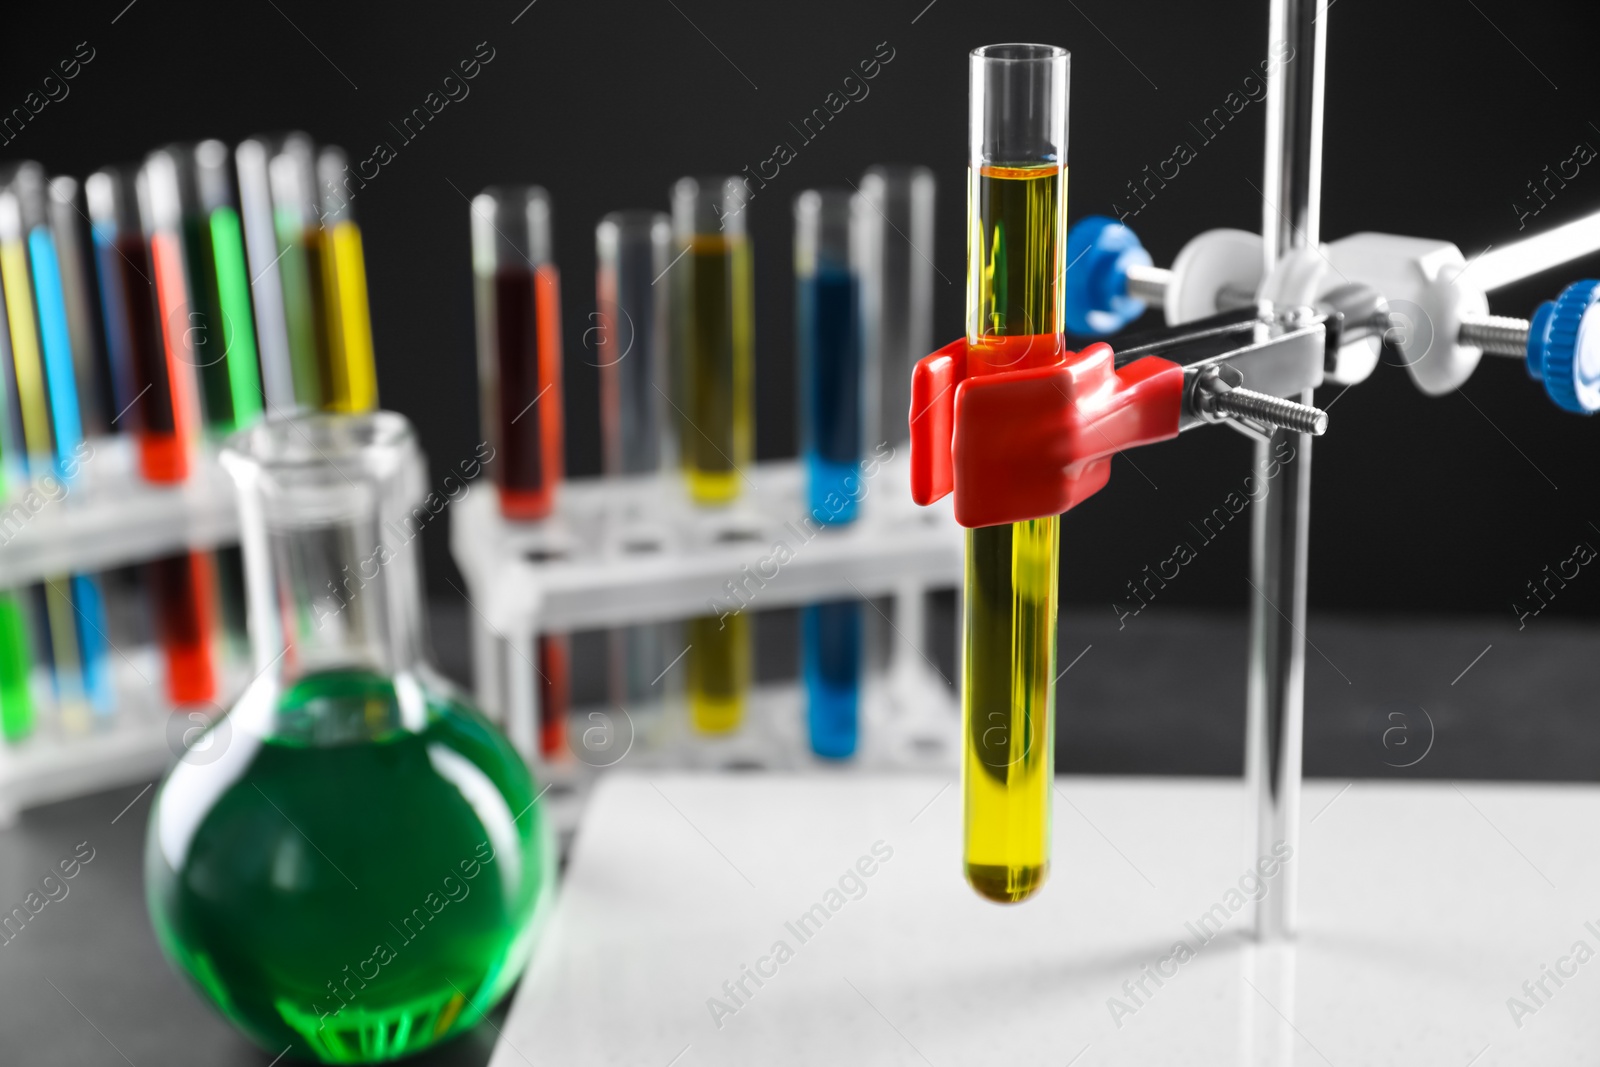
[{"x": 352, "y": 863}]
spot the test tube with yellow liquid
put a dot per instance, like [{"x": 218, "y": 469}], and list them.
[
  {"x": 714, "y": 309},
  {"x": 351, "y": 381},
  {"x": 1016, "y": 243}
]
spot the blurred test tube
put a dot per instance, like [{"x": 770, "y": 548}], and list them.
[
  {"x": 632, "y": 252},
  {"x": 517, "y": 293}
]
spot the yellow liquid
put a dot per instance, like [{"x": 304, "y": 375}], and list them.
[
  {"x": 1008, "y": 678},
  {"x": 300, "y": 265},
  {"x": 25, "y": 350},
  {"x": 717, "y": 302},
  {"x": 353, "y": 379},
  {"x": 1008, "y": 689},
  {"x": 28, "y": 360},
  {"x": 61, "y": 619},
  {"x": 712, "y": 487},
  {"x": 718, "y": 664}
]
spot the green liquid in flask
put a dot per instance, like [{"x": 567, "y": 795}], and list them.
[{"x": 363, "y": 882}]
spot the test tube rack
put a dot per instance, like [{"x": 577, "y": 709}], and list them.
[
  {"x": 624, "y": 551},
  {"x": 109, "y": 517}
]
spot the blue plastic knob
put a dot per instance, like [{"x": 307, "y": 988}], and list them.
[
  {"x": 1564, "y": 347},
  {"x": 1099, "y": 252}
]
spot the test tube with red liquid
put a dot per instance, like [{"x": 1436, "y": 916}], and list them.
[
  {"x": 517, "y": 292},
  {"x": 157, "y": 415}
]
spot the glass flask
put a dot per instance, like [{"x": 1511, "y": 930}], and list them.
[{"x": 352, "y": 863}]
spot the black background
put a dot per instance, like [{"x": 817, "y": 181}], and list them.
[{"x": 1437, "y": 116}]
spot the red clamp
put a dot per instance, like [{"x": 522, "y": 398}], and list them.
[{"x": 1020, "y": 428}]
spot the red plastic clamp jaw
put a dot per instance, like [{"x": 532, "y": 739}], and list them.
[{"x": 1023, "y": 444}]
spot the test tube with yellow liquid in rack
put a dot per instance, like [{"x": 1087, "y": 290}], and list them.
[
  {"x": 1016, "y": 243},
  {"x": 351, "y": 382},
  {"x": 714, "y": 308}
]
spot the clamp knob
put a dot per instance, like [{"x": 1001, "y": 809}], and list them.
[
  {"x": 1100, "y": 252},
  {"x": 1564, "y": 347}
]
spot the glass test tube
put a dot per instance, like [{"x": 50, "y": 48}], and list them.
[
  {"x": 554, "y": 652},
  {"x": 713, "y": 317},
  {"x": 266, "y": 289},
  {"x": 292, "y": 187},
  {"x": 25, "y": 427},
  {"x": 517, "y": 292},
  {"x": 53, "y": 431},
  {"x": 352, "y": 378},
  {"x": 1015, "y": 259},
  {"x": 192, "y": 197},
  {"x": 716, "y": 330},
  {"x": 133, "y": 326},
  {"x": 16, "y": 656},
  {"x": 632, "y": 251},
  {"x": 16, "y": 661},
  {"x": 81, "y": 299},
  {"x": 833, "y": 380},
  {"x": 181, "y": 585},
  {"x": 192, "y": 188},
  {"x": 897, "y": 286},
  {"x": 828, "y": 256},
  {"x": 518, "y": 299},
  {"x": 219, "y": 234},
  {"x": 13, "y": 445},
  {"x": 897, "y": 313}
]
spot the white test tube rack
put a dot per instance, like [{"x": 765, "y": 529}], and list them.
[
  {"x": 110, "y": 517},
  {"x": 626, "y": 551}
]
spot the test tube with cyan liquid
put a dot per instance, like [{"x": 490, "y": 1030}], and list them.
[{"x": 828, "y": 255}]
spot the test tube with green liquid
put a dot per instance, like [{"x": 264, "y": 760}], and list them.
[
  {"x": 16, "y": 659},
  {"x": 194, "y": 201}
]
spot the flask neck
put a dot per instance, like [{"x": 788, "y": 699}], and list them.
[
  {"x": 332, "y": 556},
  {"x": 346, "y": 596}
]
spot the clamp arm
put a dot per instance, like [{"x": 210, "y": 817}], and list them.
[{"x": 1036, "y": 439}]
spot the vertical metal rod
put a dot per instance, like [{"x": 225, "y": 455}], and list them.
[{"x": 1297, "y": 38}]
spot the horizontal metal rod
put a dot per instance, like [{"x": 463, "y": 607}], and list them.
[
  {"x": 1499, "y": 267},
  {"x": 1149, "y": 283}
]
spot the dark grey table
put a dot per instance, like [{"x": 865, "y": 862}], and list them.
[{"x": 85, "y": 985}]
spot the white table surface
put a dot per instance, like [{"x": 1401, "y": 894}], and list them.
[{"x": 1425, "y": 906}]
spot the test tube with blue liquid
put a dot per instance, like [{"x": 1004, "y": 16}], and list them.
[
  {"x": 833, "y": 387},
  {"x": 47, "y": 393}
]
